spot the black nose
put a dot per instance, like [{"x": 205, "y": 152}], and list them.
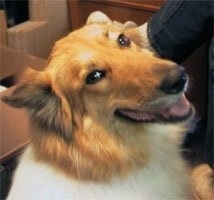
[{"x": 175, "y": 83}]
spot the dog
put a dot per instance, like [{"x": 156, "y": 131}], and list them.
[{"x": 107, "y": 118}]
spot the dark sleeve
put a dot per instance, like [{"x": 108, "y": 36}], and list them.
[{"x": 179, "y": 27}]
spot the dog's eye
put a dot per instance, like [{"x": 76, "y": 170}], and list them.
[
  {"x": 123, "y": 40},
  {"x": 95, "y": 76}
]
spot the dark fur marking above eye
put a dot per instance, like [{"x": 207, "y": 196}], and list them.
[
  {"x": 123, "y": 40},
  {"x": 95, "y": 76}
]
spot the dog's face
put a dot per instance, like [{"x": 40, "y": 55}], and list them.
[{"x": 99, "y": 88}]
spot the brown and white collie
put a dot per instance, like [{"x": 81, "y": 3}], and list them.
[{"x": 107, "y": 120}]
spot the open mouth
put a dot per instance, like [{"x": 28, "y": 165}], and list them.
[{"x": 179, "y": 111}]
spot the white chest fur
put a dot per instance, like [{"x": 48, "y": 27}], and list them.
[{"x": 36, "y": 180}]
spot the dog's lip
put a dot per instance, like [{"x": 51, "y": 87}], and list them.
[{"x": 178, "y": 111}]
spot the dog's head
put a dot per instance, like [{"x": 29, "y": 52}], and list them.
[{"x": 99, "y": 88}]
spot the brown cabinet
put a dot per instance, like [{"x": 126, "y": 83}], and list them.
[{"x": 121, "y": 10}]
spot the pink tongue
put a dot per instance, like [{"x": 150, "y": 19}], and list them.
[{"x": 178, "y": 109}]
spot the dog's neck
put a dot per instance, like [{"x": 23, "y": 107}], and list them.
[{"x": 99, "y": 155}]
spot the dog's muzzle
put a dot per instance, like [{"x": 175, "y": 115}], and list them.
[{"x": 176, "y": 83}]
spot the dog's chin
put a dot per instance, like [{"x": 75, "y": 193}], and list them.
[{"x": 179, "y": 111}]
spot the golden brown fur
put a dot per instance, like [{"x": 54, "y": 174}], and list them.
[{"x": 74, "y": 127}]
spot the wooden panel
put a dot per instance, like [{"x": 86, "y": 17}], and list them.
[
  {"x": 13, "y": 130},
  {"x": 3, "y": 28},
  {"x": 137, "y": 11},
  {"x": 49, "y": 19},
  {"x": 14, "y": 62},
  {"x": 151, "y": 5}
]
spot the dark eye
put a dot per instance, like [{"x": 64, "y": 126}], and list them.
[
  {"x": 95, "y": 76},
  {"x": 123, "y": 40}
]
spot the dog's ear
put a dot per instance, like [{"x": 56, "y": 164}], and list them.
[
  {"x": 98, "y": 17},
  {"x": 138, "y": 35},
  {"x": 49, "y": 111}
]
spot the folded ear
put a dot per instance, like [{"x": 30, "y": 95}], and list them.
[
  {"x": 139, "y": 36},
  {"x": 98, "y": 17},
  {"x": 125, "y": 26},
  {"x": 48, "y": 110}
]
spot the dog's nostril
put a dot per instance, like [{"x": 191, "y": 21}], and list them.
[{"x": 174, "y": 86}]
